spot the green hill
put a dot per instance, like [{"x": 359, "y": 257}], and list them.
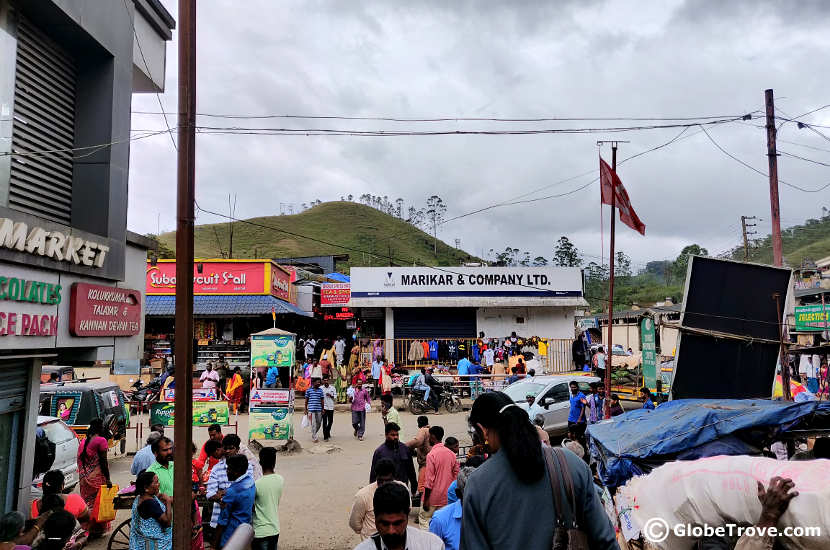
[
  {"x": 367, "y": 235},
  {"x": 810, "y": 240}
]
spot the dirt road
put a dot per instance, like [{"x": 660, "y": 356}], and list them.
[{"x": 320, "y": 481}]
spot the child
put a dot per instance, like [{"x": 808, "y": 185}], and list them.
[
  {"x": 238, "y": 501},
  {"x": 266, "y": 506}
]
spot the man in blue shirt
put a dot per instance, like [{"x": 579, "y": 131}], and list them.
[
  {"x": 446, "y": 522},
  {"x": 314, "y": 407},
  {"x": 648, "y": 402},
  {"x": 377, "y": 365},
  {"x": 238, "y": 502},
  {"x": 271, "y": 377},
  {"x": 577, "y": 420},
  {"x": 144, "y": 458}
]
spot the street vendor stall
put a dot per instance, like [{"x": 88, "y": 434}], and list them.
[{"x": 272, "y": 408}]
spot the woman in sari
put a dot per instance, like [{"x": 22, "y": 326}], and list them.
[
  {"x": 93, "y": 470},
  {"x": 233, "y": 390},
  {"x": 151, "y": 516}
]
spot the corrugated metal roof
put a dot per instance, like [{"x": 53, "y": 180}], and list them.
[{"x": 165, "y": 306}]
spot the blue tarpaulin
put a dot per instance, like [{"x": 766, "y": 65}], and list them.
[
  {"x": 334, "y": 276},
  {"x": 638, "y": 441}
]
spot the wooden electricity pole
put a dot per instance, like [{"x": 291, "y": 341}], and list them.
[
  {"x": 772, "y": 156},
  {"x": 185, "y": 197}
]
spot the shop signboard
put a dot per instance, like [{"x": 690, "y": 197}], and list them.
[
  {"x": 205, "y": 413},
  {"x": 278, "y": 397},
  {"x": 272, "y": 350},
  {"x": 270, "y": 423},
  {"x": 335, "y": 294},
  {"x": 222, "y": 277},
  {"x": 280, "y": 283},
  {"x": 97, "y": 310},
  {"x": 342, "y": 314},
  {"x": 199, "y": 394},
  {"x": 367, "y": 282},
  {"x": 812, "y": 318},
  {"x": 649, "y": 351}
]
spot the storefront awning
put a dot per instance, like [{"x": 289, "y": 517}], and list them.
[{"x": 165, "y": 306}]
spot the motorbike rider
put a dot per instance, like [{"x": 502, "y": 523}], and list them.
[{"x": 435, "y": 387}]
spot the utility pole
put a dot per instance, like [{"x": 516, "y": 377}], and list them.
[
  {"x": 746, "y": 234},
  {"x": 772, "y": 156},
  {"x": 185, "y": 199}
]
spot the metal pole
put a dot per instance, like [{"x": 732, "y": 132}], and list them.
[
  {"x": 746, "y": 242},
  {"x": 772, "y": 155},
  {"x": 610, "y": 348},
  {"x": 785, "y": 369},
  {"x": 183, "y": 430}
]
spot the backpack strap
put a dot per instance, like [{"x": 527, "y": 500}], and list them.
[
  {"x": 376, "y": 539},
  {"x": 555, "y": 484},
  {"x": 569, "y": 485}
]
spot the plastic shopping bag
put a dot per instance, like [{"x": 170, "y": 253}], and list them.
[
  {"x": 104, "y": 508},
  {"x": 306, "y": 422},
  {"x": 368, "y": 407}
]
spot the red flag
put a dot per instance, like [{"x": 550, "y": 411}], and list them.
[{"x": 627, "y": 214}]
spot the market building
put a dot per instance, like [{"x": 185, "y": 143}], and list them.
[
  {"x": 68, "y": 287},
  {"x": 232, "y": 300},
  {"x": 404, "y": 304}
]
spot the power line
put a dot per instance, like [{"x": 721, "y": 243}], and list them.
[
  {"x": 445, "y": 118},
  {"x": 93, "y": 148},
  {"x": 804, "y": 145},
  {"x": 805, "y": 159},
  {"x": 147, "y": 66}
]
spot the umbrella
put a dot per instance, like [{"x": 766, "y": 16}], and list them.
[{"x": 778, "y": 389}]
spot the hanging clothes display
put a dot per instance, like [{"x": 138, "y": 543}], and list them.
[
  {"x": 452, "y": 350},
  {"x": 433, "y": 350},
  {"x": 476, "y": 353},
  {"x": 425, "y": 348},
  {"x": 377, "y": 351},
  {"x": 415, "y": 351}
]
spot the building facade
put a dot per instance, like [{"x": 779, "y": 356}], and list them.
[{"x": 68, "y": 69}]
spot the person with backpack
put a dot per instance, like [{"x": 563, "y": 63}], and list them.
[{"x": 549, "y": 493}]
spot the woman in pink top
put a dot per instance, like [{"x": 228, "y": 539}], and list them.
[{"x": 93, "y": 470}]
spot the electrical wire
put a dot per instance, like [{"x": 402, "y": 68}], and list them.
[
  {"x": 147, "y": 66},
  {"x": 805, "y": 159},
  {"x": 804, "y": 145},
  {"x": 95, "y": 148}
]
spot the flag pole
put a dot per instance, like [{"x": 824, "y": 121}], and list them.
[{"x": 610, "y": 348}]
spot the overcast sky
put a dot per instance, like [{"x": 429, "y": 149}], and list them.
[{"x": 517, "y": 59}]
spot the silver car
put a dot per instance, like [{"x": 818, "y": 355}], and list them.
[
  {"x": 66, "y": 452},
  {"x": 551, "y": 398}
]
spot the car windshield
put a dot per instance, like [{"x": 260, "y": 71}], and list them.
[
  {"x": 518, "y": 392},
  {"x": 56, "y": 432}
]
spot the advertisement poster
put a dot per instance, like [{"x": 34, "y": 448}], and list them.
[
  {"x": 205, "y": 413},
  {"x": 812, "y": 318},
  {"x": 274, "y": 423},
  {"x": 199, "y": 394},
  {"x": 335, "y": 294},
  {"x": 649, "y": 349},
  {"x": 279, "y": 397},
  {"x": 272, "y": 350}
]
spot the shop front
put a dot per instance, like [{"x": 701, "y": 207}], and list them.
[
  {"x": 458, "y": 308},
  {"x": 232, "y": 300}
]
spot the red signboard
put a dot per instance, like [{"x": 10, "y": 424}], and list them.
[
  {"x": 97, "y": 310},
  {"x": 342, "y": 314},
  {"x": 215, "y": 278},
  {"x": 280, "y": 283},
  {"x": 335, "y": 294}
]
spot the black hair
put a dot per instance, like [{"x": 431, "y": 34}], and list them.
[
  {"x": 268, "y": 458},
  {"x": 391, "y": 498},
  {"x": 474, "y": 461},
  {"x": 96, "y": 427},
  {"x": 144, "y": 480},
  {"x": 211, "y": 445},
  {"x": 593, "y": 385},
  {"x": 438, "y": 432},
  {"x": 157, "y": 428},
  {"x": 231, "y": 440},
  {"x": 518, "y": 438},
  {"x": 821, "y": 448},
  {"x": 51, "y": 503},
  {"x": 384, "y": 467},
  {"x": 386, "y": 399},
  {"x": 157, "y": 443},
  {"x": 450, "y": 441},
  {"x": 57, "y": 528},
  {"x": 615, "y": 397},
  {"x": 392, "y": 427},
  {"x": 238, "y": 463},
  {"x": 645, "y": 391},
  {"x": 215, "y": 428},
  {"x": 573, "y": 383},
  {"x": 53, "y": 481},
  {"x": 423, "y": 421},
  {"x": 11, "y": 524}
]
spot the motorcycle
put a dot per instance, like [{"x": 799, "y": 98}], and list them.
[
  {"x": 144, "y": 394},
  {"x": 447, "y": 399}
]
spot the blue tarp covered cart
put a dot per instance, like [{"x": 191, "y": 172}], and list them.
[{"x": 685, "y": 429}]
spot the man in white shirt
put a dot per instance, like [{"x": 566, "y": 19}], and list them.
[
  {"x": 329, "y": 396},
  {"x": 391, "y": 504},
  {"x": 309, "y": 348},
  {"x": 339, "y": 349},
  {"x": 489, "y": 357},
  {"x": 209, "y": 378}
]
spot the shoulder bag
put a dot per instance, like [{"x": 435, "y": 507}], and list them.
[{"x": 567, "y": 534}]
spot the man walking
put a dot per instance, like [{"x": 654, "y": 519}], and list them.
[
  {"x": 377, "y": 366},
  {"x": 362, "y": 518},
  {"x": 446, "y": 522},
  {"x": 314, "y": 407},
  {"x": 391, "y": 506},
  {"x": 238, "y": 501},
  {"x": 596, "y": 403},
  {"x": 144, "y": 458},
  {"x": 163, "y": 466},
  {"x": 576, "y": 414},
  {"x": 360, "y": 399},
  {"x": 218, "y": 482},
  {"x": 441, "y": 471},
  {"x": 310, "y": 343},
  {"x": 421, "y": 445},
  {"x": 390, "y": 413},
  {"x": 329, "y": 396},
  {"x": 267, "y": 502},
  {"x": 400, "y": 456},
  {"x": 339, "y": 350}
]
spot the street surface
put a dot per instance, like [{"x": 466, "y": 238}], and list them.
[{"x": 320, "y": 481}]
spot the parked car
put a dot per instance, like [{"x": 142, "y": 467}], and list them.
[
  {"x": 550, "y": 398},
  {"x": 76, "y": 403},
  {"x": 65, "y": 451}
]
